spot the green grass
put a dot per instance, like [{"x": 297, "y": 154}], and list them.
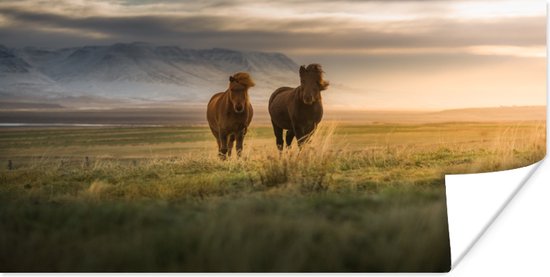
[{"x": 357, "y": 198}]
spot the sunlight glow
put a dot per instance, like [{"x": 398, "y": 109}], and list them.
[
  {"x": 506, "y": 50},
  {"x": 497, "y": 9}
]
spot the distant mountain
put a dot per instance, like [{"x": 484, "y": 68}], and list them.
[
  {"x": 135, "y": 72},
  {"x": 11, "y": 63}
]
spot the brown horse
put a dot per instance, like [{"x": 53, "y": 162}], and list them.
[
  {"x": 298, "y": 110},
  {"x": 229, "y": 113}
]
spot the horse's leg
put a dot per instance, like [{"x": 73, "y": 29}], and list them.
[
  {"x": 240, "y": 140},
  {"x": 303, "y": 135},
  {"x": 230, "y": 144},
  {"x": 223, "y": 145},
  {"x": 217, "y": 136},
  {"x": 289, "y": 138},
  {"x": 278, "y": 136},
  {"x": 299, "y": 134}
]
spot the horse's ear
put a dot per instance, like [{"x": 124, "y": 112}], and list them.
[{"x": 231, "y": 79}]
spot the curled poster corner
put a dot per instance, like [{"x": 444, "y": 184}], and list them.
[{"x": 474, "y": 201}]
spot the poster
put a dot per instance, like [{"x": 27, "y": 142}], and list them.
[{"x": 251, "y": 136}]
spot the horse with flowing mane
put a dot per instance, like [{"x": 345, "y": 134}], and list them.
[
  {"x": 298, "y": 110},
  {"x": 229, "y": 114}
]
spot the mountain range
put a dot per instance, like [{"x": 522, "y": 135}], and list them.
[{"x": 134, "y": 73}]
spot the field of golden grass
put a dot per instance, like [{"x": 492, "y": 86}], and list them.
[{"x": 356, "y": 198}]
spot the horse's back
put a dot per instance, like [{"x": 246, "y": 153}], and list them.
[
  {"x": 212, "y": 108},
  {"x": 215, "y": 98},
  {"x": 250, "y": 114},
  {"x": 280, "y": 99},
  {"x": 277, "y": 92},
  {"x": 278, "y": 107}
]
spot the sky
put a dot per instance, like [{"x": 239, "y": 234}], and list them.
[{"x": 393, "y": 54}]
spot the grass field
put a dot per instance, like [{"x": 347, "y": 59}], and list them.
[{"x": 357, "y": 198}]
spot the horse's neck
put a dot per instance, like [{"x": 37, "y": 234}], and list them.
[
  {"x": 298, "y": 91},
  {"x": 226, "y": 97}
]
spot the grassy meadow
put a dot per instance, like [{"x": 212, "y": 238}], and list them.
[{"x": 364, "y": 197}]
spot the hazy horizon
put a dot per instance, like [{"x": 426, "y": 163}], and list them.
[{"x": 378, "y": 55}]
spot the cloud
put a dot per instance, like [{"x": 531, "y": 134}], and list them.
[
  {"x": 290, "y": 28},
  {"x": 406, "y": 50}
]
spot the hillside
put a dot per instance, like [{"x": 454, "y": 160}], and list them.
[{"x": 133, "y": 72}]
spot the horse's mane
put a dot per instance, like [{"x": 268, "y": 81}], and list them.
[
  {"x": 244, "y": 79},
  {"x": 316, "y": 68}
]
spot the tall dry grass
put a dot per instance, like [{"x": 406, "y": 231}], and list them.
[
  {"x": 306, "y": 169},
  {"x": 512, "y": 147},
  {"x": 325, "y": 163}
]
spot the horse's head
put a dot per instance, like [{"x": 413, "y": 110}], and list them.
[
  {"x": 239, "y": 84},
  {"x": 312, "y": 83}
]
